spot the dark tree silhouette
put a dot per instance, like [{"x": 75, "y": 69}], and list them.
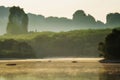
[
  {"x": 111, "y": 47},
  {"x": 18, "y": 21}
]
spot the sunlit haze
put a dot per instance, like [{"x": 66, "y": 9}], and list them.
[{"x": 65, "y": 8}]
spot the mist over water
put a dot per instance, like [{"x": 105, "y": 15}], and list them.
[
  {"x": 36, "y": 47},
  {"x": 53, "y": 69}
]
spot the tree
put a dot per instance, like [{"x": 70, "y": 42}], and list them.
[
  {"x": 11, "y": 48},
  {"x": 111, "y": 47}
]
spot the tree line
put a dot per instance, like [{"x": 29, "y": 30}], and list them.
[
  {"x": 76, "y": 43},
  {"x": 10, "y": 48}
]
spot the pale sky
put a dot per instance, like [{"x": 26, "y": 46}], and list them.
[{"x": 66, "y": 8}]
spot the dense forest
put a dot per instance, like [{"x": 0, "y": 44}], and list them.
[
  {"x": 76, "y": 43},
  {"x": 10, "y": 48},
  {"x": 79, "y": 40}
]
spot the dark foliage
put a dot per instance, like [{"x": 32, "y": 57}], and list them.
[
  {"x": 111, "y": 47},
  {"x": 13, "y": 49}
]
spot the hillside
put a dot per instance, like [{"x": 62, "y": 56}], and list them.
[{"x": 76, "y": 43}]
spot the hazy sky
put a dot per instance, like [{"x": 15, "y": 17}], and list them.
[{"x": 65, "y": 8}]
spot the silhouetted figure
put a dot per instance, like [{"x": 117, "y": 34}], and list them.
[{"x": 18, "y": 21}]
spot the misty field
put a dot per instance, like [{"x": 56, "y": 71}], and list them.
[{"x": 53, "y": 69}]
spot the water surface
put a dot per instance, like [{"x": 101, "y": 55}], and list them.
[{"x": 58, "y": 69}]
